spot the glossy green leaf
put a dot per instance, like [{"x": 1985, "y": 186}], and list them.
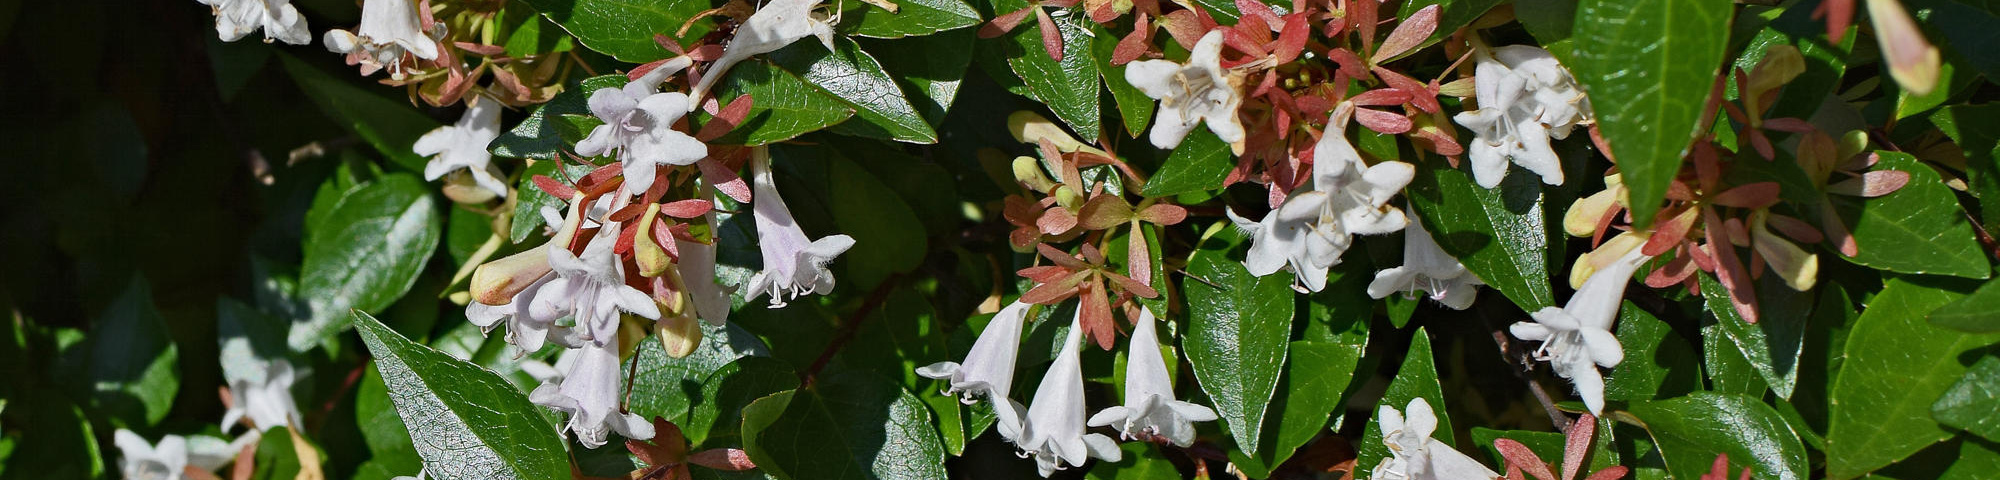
[
  {"x": 929, "y": 68},
  {"x": 367, "y": 252},
  {"x": 624, "y": 29},
  {"x": 912, "y": 18},
  {"x": 1499, "y": 234},
  {"x": 1975, "y": 461},
  {"x": 544, "y": 135},
  {"x": 855, "y": 78},
  {"x": 1972, "y": 314},
  {"x": 1236, "y": 337},
  {"x": 1070, "y": 87},
  {"x": 485, "y": 428},
  {"x": 1690, "y": 431},
  {"x": 1772, "y": 345},
  {"x": 850, "y": 425},
  {"x": 134, "y": 369},
  {"x": 1971, "y": 403},
  {"x": 1667, "y": 365},
  {"x": 388, "y": 440},
  {"x": 1976, "y": 130},
  {"x": 1316, "y": 375},
  {"x": 1550, "y": 21},
  {"x": 784, "y": 106},
  {"x": 1200, "y": 163},
  {"x": 1896, "y": 367},
  {"x": 390, "y": 125},
  {"x": 1417, "y": 377},
  {"x": 714, "y": 419},
  {"x": 1133, "y": 105},
  {"x": 665, "y": 387},
  {"x": 1649, "y": 65},
  {"x": 1918, "y": 229}
]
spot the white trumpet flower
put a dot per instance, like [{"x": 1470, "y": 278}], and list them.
[
  {"x": 1054, "y": 432},
  {"x": 1414, "y": 455},
  {"x": 988, "y": 369},
  {"x": 462, "y": 145},
  {"x": 1427, "y": 268},
  {"x": 1577, "y": 338},
  {"x": 1150, "y": 412},
  {"x": 1191, "y": 93},
  {"x": 1525, "y": 98},
  {"x": 793, "y": 265}
]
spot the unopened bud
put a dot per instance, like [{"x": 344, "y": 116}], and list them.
[
  {"x": 1068, "y": 197},
  {"x": 460, "y": 187},
  {"x": 496, "y": 282},
  {"x": 1029, "y": 127},
  {"x": 1028, "y": 171},
  {"x": 1780, "y": 65},
  {"x": 652, "y": 258},
  {"x": 1799, "y": 268},
  {"x": 679, "y": 334},
  {"x": 1613, "y": 249}
]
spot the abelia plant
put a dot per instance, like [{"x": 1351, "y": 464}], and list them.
[{"x": 926, "y": 239}]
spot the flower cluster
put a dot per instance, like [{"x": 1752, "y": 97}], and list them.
[{"x": 1526, "y": 98}]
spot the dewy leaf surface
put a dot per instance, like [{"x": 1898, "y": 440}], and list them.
[
  {"x": 1237, "y": 334},
  {"x": 467, "y": 422},
  {"x": 1648, "y": 66},
  {"x": 1896, "y": 367},
  {"x": 366, "y": 254}
]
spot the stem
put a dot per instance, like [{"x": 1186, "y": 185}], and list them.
[
  {"x": 1518, "y": 358},
  {"x": 848, "y": 329}
]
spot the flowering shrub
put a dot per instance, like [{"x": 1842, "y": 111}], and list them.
[{"x": 925, "y": 239}]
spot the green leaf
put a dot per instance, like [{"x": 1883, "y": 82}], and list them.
[
  {"x": 529, "y": 199},
  {"x": 474, "y": 424},
  {"x": 367, "y": 253},
  {"x": 1200, "y": 163},
  {"x": 933, "y": 65},
  {"x": 1499, "y": 234},
  {"x": 1416, "y": 378},
  {"x": 1070, "y": 87},
  {"x": 1649, "y": 65},
  {"x": 388, "y": 440},
  {"x": 665, "y": 387},
  {"x": 1970, "y": 404},
  {"x": 1452, "y": 15},
  {"x": 1692, "y": 430},
  {"x": 391, "y": 126},
  {"x": 912, "y": 18},
  {"x": 888, "y": 237},
  {"x": 1967, "y": 28},
  {"x": 1315, "y": 377},
  {"x": 1728, "y": 371},
  {"x": 854, "y": 77},
  {"x": 784, "y": 106},
  {"x": 1976, "y": 460},
  {"x": 278, "y": 456},
  {"x": 53, "y": 438},
  {"x": 624, "y": 29},
  {"x": 1669, "y": 367},
  {"x": 848, "y": 425},
  {"x": 1896, "y": 366},
  {"x": 1918, "y": 229},
  {"x": 1772, "y": 345},
  {"x": 1137, "y": 461},
  {"x": 1133, "y": 106},
  {"x": 1972, "y": 314},
  {"x": 716, "y": 416},
  {"x": 1237, "y": 334},
  {"x": 1550, "y": 21},
  {"x": 133, "y": 363},
  {"x": 544, "y": 135},
  {"x": 1976, "y": 129}
]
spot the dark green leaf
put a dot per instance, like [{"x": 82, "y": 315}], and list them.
[
  {"x": 850, "y": 425},
  {"x": 716, "y": 415},
  {"x": 1201, "y": 162},
  {"x": 854, "y": 77},
  {"x": 933, "y": 65},
  {"x": 1416, "y": 378},
  {"x": 1133, "y": 106},
  {"x": 1692, "y": 430},
  {"x": 1773, "y": 344},
  {"x": 1976, "y": 129},
  {"x": 1649, "y": 65},
  {"x": 784, "y": 106},
  {"x": 1237, "y": 334},
  {"x": 1315, "y": 378},
  {"x": 474, "y": 425},
  {"x": 888, "y": 238},
  {"x": 278, "y": 456},
  {"x": 665, "y": 387},
  {"x": 624, "y": 29},
  {"x": 1665, "y": 366},
  {"x": 367, "y": 252},
  {"x": 1896, "y": 366},
  {"x": 1550, "y": 21},
  {"x": 1972, "y": 314},
  {"x": 1070, "y": 87},
  {"x": 912, "y": 17},
  {"x": 1976, "y": 460},
  {"x": 133, "y": 363},
  {"x": 391, "y": 126},
  {"x": 1499, "y": 234},
  {"x": 388, "y": 440},
  {"x": 1139, "y": 461},
  {"x": 1971, "y": 403},
  {"x": 1918, "y": 229}
]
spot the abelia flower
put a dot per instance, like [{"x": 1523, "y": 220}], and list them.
[
  {"x": 988, "y": 369},
  {"x": 265, "y": 400},
  {"x": 777, "y": 24},
  {"x": 1577, "y": 338},
  {"x": 1428, "y": 268},
  {"x": 1525, "y": 98},
  {"x": 1191, "y": 93},
  {"x": 280, "y": 21},
  {"x": 172, "y": 457},
  {"x": 793, "y": 265},
  {"x": 639, "y": 126},
  {"x": 1150, "y": 412},
  {"x": 1313, "y": 228},
  {"x": 590, "y": 288},
  {"x": 462, "y": 146},
  {"x": 504, "y": 289},
  {"x": 589, "y": 394},
  {"x": 1054, "y": 431},
  {"x": 1414, "y": 455},
  {"x": 390, "y": 32}
]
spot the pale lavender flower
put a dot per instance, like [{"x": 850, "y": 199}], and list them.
[
  {"x": 988, "y": 369},
  {"x": 639, "y": 126},
  {"x": 462, "y": 145},
  {"x": 1054, "y": 431},
  {"x": 591, "y": 289},
  {"x": 793, "y": 265},
  {"x": 1150, "y": 412},
  {"x": 390, "y": 31},
  {"x": 777, "y": 24},
  {"x": 589, "y": 393}
]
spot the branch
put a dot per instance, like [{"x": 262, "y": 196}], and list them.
[{"x": 848, "y": 328}]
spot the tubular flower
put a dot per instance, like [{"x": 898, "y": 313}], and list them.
[
  {"x": 266, "y": 401},
  {"x": 793, "y": 265},
  {"x": 591, "y": 288},
  {"x": 1191, "y": 93},
  {"x": 174, "y": 455},
  {"x": 988, "y": 370},
  {"x": 1414, "y": 454},
  {"x": 1150, "y": 412},
  {"x": 390, "y": 31},
  {"x": 1576, "y": 339},
  {"x": 1313, "y": 228},
  {"x": 1428, "y": 268},
  {"x": 504, "y": 289},
  {"x": 280, "y": 21},
  {"x": 639, "y": 126},
  {"x": 778, "y": 24},
  {"x": 1054, "y": 432},
  {"x": 462, "y": 145},
  {"x": 1525, "y": 99},
  {"x": 589, "y": 393}
]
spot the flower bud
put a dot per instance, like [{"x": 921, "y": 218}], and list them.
[
  {"x": 459, "y": 186},
  {"x": 1799, "y": 268},
  {"x": 496, "y": 282},
  {"x": 1028, "y": 171},
  {"x": 1613, "y": 249},
  {"x": 652, "y": 258},
  {"x": 1912, "y": 60},
  {"x": 679, "y": 334},
  {"x": 1029, "y": 127}
]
